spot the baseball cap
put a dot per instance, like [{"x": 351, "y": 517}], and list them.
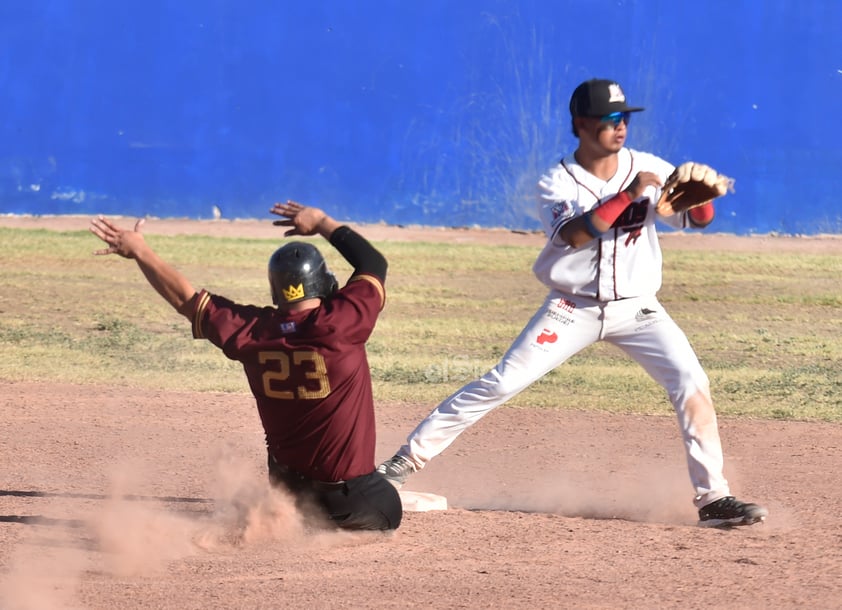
[{"x": 598, "y": 97}]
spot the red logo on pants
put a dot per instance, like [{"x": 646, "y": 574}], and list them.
[{"x": 547, "y": 337}]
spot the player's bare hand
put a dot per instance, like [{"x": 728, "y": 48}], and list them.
[
  {"x": 641, "y": 182},
  {"x": 120, "y": 241},
  {"x": 304, "y": 220}
]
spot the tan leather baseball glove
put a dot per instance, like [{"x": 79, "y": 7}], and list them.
[{"x": 691, "y": 185}]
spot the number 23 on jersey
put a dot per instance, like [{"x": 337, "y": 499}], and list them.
[{"x": 280, "y": 368}]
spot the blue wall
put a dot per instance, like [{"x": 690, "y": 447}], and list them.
[{"x": 434, "y": 113}]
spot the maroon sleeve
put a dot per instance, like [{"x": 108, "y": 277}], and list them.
[
  {"x": 352, "y": 312},
  {"x": 224, "y": 323},
  {"x": 199, "y": 313}
]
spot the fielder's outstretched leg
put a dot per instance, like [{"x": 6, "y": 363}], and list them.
[
  {"x": 653, "y": 339},
  {"x": 562, "y": 327}
]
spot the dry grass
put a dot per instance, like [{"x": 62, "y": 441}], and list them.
[{"x": 768, "y": 328}]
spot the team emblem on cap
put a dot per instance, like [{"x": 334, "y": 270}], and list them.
[
  {"x": 294, "y": 292},
  {"x": 615, "y": 94}
]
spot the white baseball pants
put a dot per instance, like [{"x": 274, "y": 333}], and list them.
[{"x": 562, "y": 327}]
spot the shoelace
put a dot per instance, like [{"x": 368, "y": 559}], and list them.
[
  {"x": 398, "y": 466},
  {"x": 728, "y": 504}
]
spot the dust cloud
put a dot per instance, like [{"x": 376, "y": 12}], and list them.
[
  {"x": 139, "y": 536},
  {"x": 655, "y": 493}
]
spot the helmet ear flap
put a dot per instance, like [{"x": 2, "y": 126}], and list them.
[{"x": 333, "y": 285}]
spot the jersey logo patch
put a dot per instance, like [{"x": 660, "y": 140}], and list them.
[
  {"x": 561, "y": 209},
  {"x": 288, "y": 327},
  {"x": 547, "y": 336}
]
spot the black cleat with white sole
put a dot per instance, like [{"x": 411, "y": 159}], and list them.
[
  {"x": 396, "y": 470},
  {"x": 730, "y": 512}
]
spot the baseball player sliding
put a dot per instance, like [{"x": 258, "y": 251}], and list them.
[
  {"x": 304, "y": 360},
  {"x": 602, "y": 265}
]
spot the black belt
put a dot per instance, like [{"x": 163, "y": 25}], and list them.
[{"x": 296, "y": 480}]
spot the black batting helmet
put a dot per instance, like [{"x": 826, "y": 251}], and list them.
[{"x": 297, "y": 271}]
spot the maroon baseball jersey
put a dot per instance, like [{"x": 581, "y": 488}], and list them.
[{"x": 308, "y": 372}]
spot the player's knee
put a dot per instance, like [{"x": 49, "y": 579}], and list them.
[
  {"x": 500, "y": 384},
  {"x": 686, "y": 385}
]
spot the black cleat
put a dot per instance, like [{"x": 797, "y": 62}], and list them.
[
  {"x": 728, "y": 512},
  {"x": 396, "y": 470}
]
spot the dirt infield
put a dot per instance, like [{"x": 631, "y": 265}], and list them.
[{"x": 124, "y": 498}]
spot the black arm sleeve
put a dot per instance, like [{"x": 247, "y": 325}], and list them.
[{"x": 364, "y": 257}]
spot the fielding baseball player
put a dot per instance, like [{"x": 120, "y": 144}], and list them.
[
  {"x": 305, "y": 360},
  {"x": 602, "y": 265}
]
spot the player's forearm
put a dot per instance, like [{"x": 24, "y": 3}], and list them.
[
  {"x": 171, "y": 284},
  {"x": 582, "y": 229},
  {"x": 575, "y": 233},
  {"x": 357, "y": 250},
  {"x": 327, "y": 226}
]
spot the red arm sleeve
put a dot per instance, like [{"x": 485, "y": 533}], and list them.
[{"x": 701, "y": 216}]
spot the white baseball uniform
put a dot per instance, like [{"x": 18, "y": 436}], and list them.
[{"x": 604, "y": 290}]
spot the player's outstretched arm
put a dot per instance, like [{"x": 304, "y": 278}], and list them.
[
  {"x": 305, "y": 220},
  {"x": 164, "y": 278}
]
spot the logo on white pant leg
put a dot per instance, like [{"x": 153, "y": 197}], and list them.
[
  {"x": 566, "y": 305},
  {"x": 544, "y": 340},
  {"x": 558, "y": 312},
  {"x": 643, "y": 313},
  {"x": 647, "y": 316}
]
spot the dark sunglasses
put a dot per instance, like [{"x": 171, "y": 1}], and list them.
[{"x": 615, "y": 118}]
